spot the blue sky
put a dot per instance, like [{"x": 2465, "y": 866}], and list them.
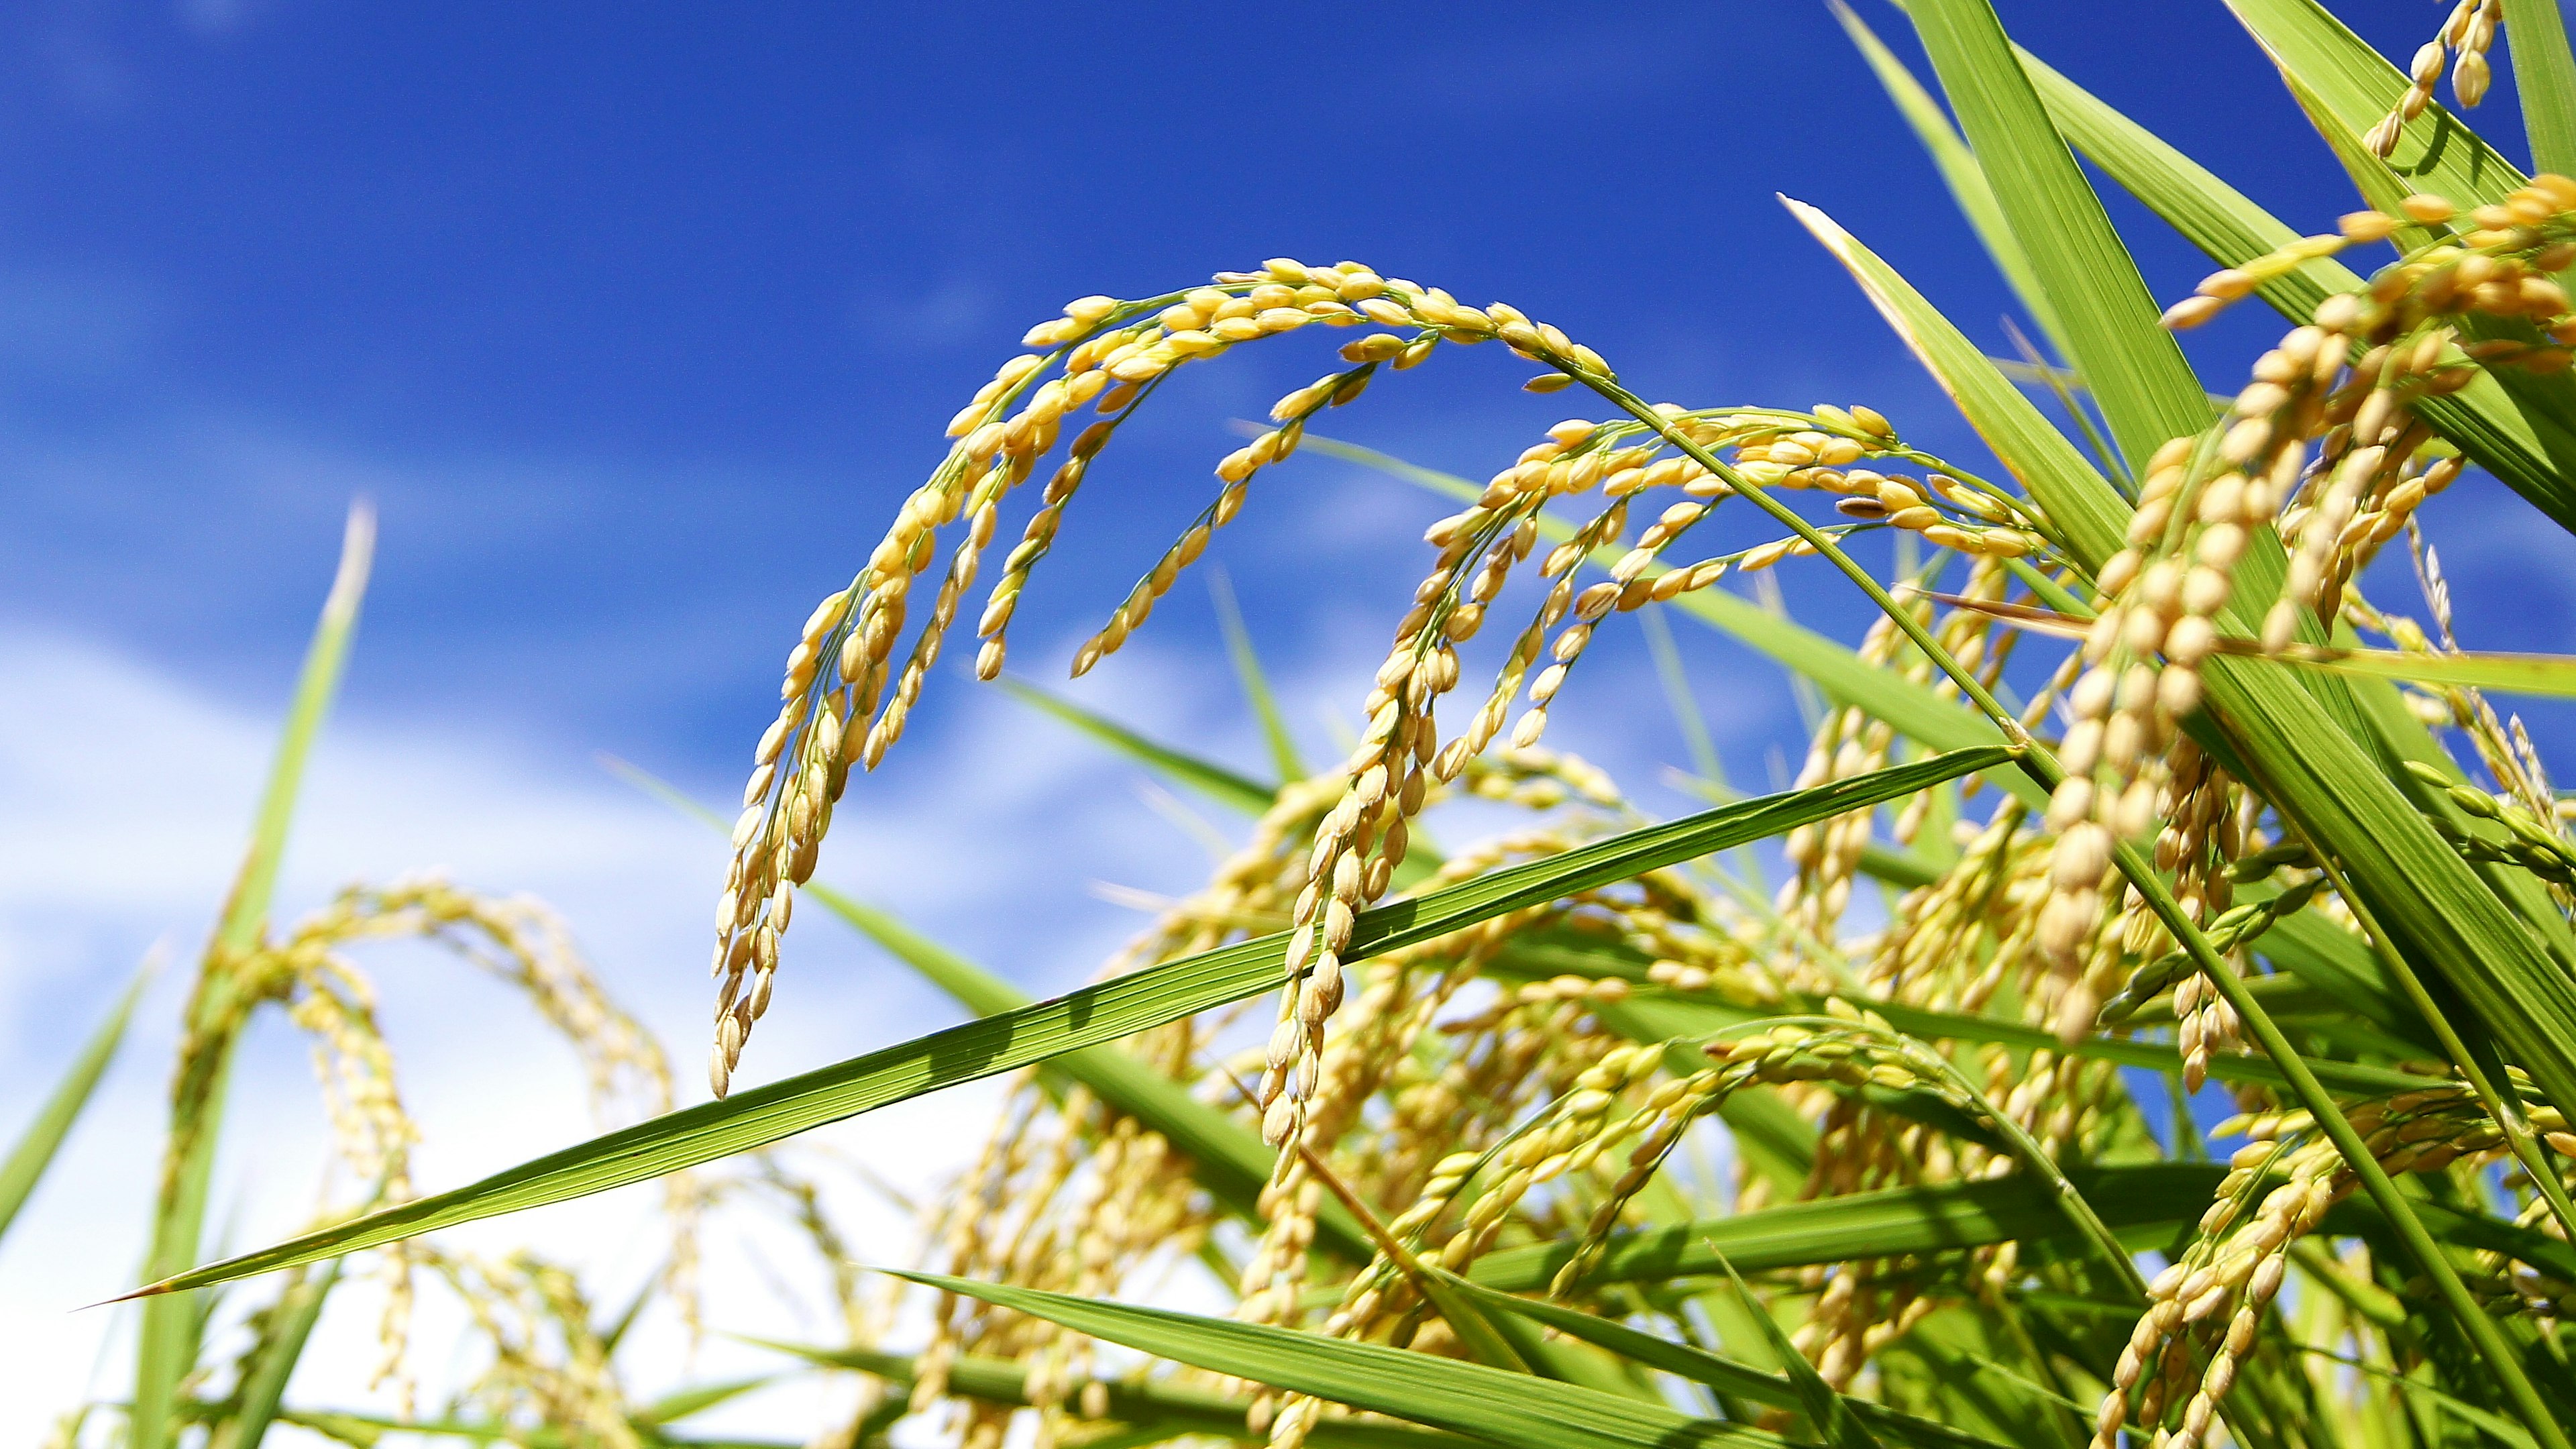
[{"x": 636, "y": 322}]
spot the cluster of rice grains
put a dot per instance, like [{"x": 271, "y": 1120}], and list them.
[
  {"x": 1479, "y": 1093},
  {"x": 2469, "y": 32},
  {"x": 544, "y": 1369}
]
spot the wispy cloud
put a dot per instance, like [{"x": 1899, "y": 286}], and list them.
[{"x": 123, "y": 797}]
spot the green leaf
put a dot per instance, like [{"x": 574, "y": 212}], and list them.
[
  {"x": 1909, "y": 707},
  {"x": 1091, "y": 1016},
  {"x": 1227, "y": 1157},
  {"x": 2150, "y": 1199},
  {"x": 1256, "y": 682},
  {"x": 44, "y": 1136},
  {"x": 1513, "y": 1410},
  {"x": 697, "y": 1399},
  {"x": 2358, "y": 86},
  {"x": 2481, "y": 419},
  {"x": 2145, "y": 1203},
  {"x": 2139, "y": 379},
  {"x": 289, "y": 1327},
  {"x": 1141, "y": 1402},
  {"x": 351, "y": 1426},
  {"x": 2052, "y": 470},
  {"x": 1959, "y": 170},
  {"x": 2544, "y": 71},
  {"x": 1658, "y": 1015},
  {"x": 1224, "y": 786},
  {"x": 2551, "y": 676},
  {"x": 1696, "y": 740},
  {"x": 1831, "y": 1418},
  {"x": 1729, "y": 1378},
  {"x": 168, "y": 1346},
  {"x": 1895, "y": 865}
]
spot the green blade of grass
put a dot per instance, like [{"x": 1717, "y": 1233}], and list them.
[
  {"x": 2358, "y": 85},
  {"x": 246, "y": 910},
  {"x": 2144, "y": 1203},
  {"x": 1827, "y": 1414},
  {"x": 2145, "y": 389},
  {"x": 263, "y": 1389},
  {"x": 2544, "y": 72},
  {"x": 2050, "y": 468},
  {"x": 2549, "y": 676},
  {"x": 44, "y": 1136},
  {"x": 1255, "y": 680},
  {"x": 1959, "y": 171},
  {"x": 1227, "y": 1157},
  {"x": 1179, "y": 1409},
  {"x": 2146, "y": 1200},
  {"x": 1226, "y": 787},
  {"x": 1909, "y": 707},
  {"x": 1673, "y": 1014},
  {"x": 1696, "y": 740},
  {"x": 1729, "y": 1378},
  {"x": 167, "y": 1350},
  {"x": 2481, "y": 419},
  {"x": 1516, "y": 1411},
  {"x": 352, "y": 1426},
  {"x": 697, "y": 1399},
  {"x": 1092, "y": 1016}
]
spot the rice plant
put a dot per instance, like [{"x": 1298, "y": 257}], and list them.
[{"x": 1613, "y": 1131}]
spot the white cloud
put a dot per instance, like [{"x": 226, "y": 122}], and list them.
[{"x": 123, "y": 801}]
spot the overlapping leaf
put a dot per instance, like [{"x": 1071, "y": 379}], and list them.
[{"x": 1092, "y": 1016}]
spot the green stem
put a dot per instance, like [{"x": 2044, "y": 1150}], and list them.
[{"x": 2506, "y": 1110}]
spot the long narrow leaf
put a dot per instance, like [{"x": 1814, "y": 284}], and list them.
[
  {"x": 1174, "y": 1407},
  {"x": 2550, "y": 676},
  {"x": 1255, "y": 681},
  {"x": 1227, "y": 1157},
  {"x": 1959, "y": 170},
  {"x": 1088, "y": 1017},
  {"x": 1728, "y": 1377},
  {"x": 1513, "y": 1410},
  {"x": 1226, "y": 787},
  {"x": 44, "y": 1136},
  {"x": 168, "y": 1346},
  {"x": 1827, "y": 1414},
  {"x": 2143, "y": 1202},
  {"x": 2232, "y": 230},
  {"x": 1887, "y": 1223},
  {"x": 2145, "y": 389},
  {"x": 290, "y": 1327},
  {"x": 2544, "y": 71},
  {"x": 2050, "y": 468}
]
